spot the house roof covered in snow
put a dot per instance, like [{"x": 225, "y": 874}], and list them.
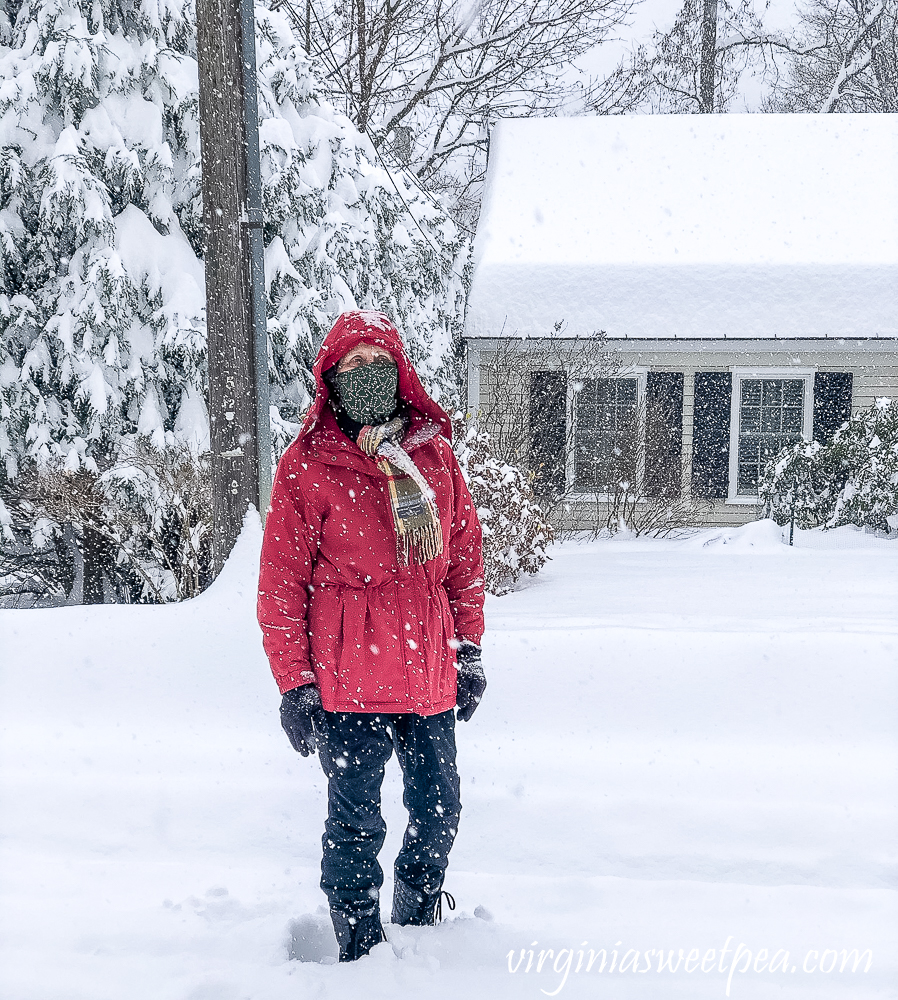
[{"x": 690, "y": 226}]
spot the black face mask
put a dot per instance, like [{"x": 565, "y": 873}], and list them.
[{"x": 367, "y": 394}]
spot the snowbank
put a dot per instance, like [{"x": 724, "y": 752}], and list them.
[
  {"x": 757, "y": 536},
  {"x": 681, "y": 747}
]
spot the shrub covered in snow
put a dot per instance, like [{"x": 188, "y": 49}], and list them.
[
  {"x": 515, "y": 532},
  {"x": 102, "y": 303},
  {"x": 143, "y": 527},
  {"x": 794, "y": 486},
  {"x": 851, "y": 479}
]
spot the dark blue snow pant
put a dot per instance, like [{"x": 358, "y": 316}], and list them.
[{"x": 353, "y": 748}]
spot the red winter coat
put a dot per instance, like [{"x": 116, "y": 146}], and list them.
[{"x": 335, "y": 606}]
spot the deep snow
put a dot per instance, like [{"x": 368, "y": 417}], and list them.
[
  {"x": 682, "y": 742},
  {"x": 737, "y": 225}
]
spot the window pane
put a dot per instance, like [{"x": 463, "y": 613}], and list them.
[
  {"x": 626, "y": 391},
  {"x": 599, "y": 389},
  {"x": 771, "y": 392},
  {"x": 605, "y": 452},
  {"x": 751, "y": 392},
  {"x": 793, "y": 393},
  {"x": 770, "y": 417},
  {"x": 792, "y": 419},
  {"x": 748, "y": 477},
  {"x": 751, "y": 418}
]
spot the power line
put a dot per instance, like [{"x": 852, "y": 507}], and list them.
[
  {"x": 327, "y": 57},
  {"x": 294, "y": 16}
]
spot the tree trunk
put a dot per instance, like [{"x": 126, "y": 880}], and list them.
[
  {"x": 364, "y": 84},
  {"x": 885, "y": 65},
  {"x": 96, "y": 556},
  {"x": 707, "y": 68},
  {"x": 229, "y": 313}
]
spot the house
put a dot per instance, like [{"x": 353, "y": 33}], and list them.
[{"x": 742, "y": 268}]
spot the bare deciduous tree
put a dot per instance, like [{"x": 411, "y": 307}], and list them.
[
  {"x": 517, "y": 410},
  {"x": 424, "y": 78},
  {"x": 843, "y": 56},
  {"x": 696, "y": 66},
  {"x": 845, "y": 59},
  {"x": 506, "y": 408}
]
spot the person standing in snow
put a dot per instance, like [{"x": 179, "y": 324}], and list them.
[{"x": 371, "y": 608}]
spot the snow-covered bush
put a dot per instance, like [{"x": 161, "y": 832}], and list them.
[
  {"x": 102, "y": 302},
  {"x": 866, "y": 450},
  {"x": 159, "y": 504},
  {"x": 143, "y": 528},
  {"x": 793, "y": 485},
  {"x": 515, "y": 532},
  {"x": 851, "y": 479}
]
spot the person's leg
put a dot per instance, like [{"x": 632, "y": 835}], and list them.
[
  {"x": 425, "y": 748},
  {"x": 353, "y": 749}
]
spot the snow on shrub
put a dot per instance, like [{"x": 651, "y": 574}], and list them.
[
  {"x": 144, "y": 528},
  {"x": 792, "y": 486},
  {"x": 852, "y": 479},
  {"x": 515, "y": 532}
]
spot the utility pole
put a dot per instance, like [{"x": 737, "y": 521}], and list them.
[{"x": 235, "y": 292}]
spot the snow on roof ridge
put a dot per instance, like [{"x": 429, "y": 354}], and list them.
[
  {"x": 691, "y": 189},
  {"x": 690, "y": 225}
]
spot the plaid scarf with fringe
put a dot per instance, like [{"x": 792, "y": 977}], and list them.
[{"x": 412, "y": 501}]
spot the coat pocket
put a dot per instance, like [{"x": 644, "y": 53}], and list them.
[{"x": 371, "y": 672}]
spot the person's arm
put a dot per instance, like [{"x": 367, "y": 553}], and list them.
[
  {"x": 289, "y": 549},
  {"x": 464, "y": 578}
]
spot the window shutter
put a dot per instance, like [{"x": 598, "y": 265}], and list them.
[
  {"x": 548, "y": 431},
  {"x": 663, "y": 433},
  {"x": 832, "y": 403},
  {"x": 711, "y": 434}
]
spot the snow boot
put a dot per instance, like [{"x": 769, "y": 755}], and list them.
[
  {"x": 416, "y": 908},
  {"x": 357, "y": 933}
]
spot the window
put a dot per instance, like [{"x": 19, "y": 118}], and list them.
[
  {"x": 770, "y": 411},
  {"x": 605, "y": 415}
]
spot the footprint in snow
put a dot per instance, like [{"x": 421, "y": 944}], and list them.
[{"x": 311, "y": 939}]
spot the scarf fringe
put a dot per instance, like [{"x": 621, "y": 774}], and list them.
[{"x": 422, "y": 542}]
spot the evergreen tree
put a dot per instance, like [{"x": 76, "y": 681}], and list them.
[
  {"x": 102, "y": 335},
  {"x": 341, "y": 232},
  {"x": 850, "y": 479}
]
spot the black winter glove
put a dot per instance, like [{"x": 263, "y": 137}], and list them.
[
  {"x": 471, "y": 680},
  {"x": 300, "y": 711}
]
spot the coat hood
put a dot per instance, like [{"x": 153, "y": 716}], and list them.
[{"x": 370, "y": 327}]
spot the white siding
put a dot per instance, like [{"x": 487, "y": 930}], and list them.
[{"x": 873, "y": 364}]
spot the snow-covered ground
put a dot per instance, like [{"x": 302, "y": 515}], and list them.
[{"x": 684, "y": 745}]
